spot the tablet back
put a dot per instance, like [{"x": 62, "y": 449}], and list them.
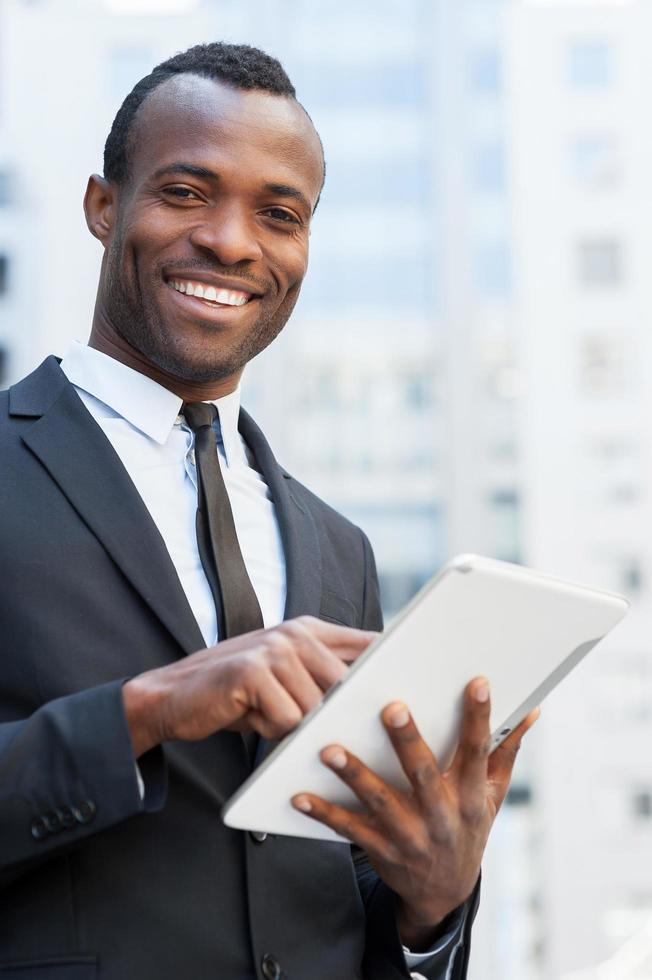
[{"x": 523, "y": 630}]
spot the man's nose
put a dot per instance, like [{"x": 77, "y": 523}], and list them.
[{"x": 230, "y": 234}]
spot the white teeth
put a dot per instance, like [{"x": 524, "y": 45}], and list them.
[{"x": 226, "y": 297}]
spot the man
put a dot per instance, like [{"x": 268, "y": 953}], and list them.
[{"x": 140, "y": 526}]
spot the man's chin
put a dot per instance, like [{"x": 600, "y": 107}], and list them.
[
  {"x": 194, "y": 370},
  {"x": 193, "y": 354},
  {"x": 187, "y": 363}
]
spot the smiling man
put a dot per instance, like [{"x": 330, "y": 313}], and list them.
[{"x": 173, "y": 598}]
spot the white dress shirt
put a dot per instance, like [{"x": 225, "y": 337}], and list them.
[{"x": 141, "y": 420}]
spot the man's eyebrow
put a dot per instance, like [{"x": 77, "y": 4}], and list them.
[
  {"x": 186, "y": 168},
  {"x": 286, "y": 190},
  {"x": 192, "y": 170}
]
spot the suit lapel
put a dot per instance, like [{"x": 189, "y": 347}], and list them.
[
  {"x": 300, "y": 543},
  {"x": 298, "y": 530},
  {"x": 81, "y": 460}
]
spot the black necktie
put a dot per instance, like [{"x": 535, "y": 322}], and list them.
[{"x": 236, "y": 604}]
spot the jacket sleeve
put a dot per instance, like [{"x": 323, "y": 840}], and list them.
[
  {"x": 68, "y": 772},
  {"x": 372, "y": 613},
  {"x": 384, "y": 958}
]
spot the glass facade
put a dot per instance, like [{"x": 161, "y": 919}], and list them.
[{"x": 590, "y": 64}]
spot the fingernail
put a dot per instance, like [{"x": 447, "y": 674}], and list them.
[
  {"x": 482, "y": 692},
  {"x": 335, "y": 758},
  {"x": 302, "y": 803},
  {"x": 398, "y": 716}
]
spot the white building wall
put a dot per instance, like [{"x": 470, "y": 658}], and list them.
[{"x": 581, "y": 72}]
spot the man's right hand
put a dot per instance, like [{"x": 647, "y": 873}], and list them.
[{"x": 264, "y": 681}]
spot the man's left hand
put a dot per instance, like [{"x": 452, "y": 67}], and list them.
[{"x": 426, "y": 843}]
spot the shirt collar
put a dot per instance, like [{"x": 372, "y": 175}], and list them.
[
  {"x": 145, "y": 404},
  {"x": 228, "y": 408}
]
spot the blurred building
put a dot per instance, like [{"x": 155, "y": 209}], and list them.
[{"x": 581, "y": 158}]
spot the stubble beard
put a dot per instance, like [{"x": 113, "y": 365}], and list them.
[{"x": 141, "y": 324}]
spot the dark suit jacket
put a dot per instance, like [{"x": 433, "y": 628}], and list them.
[{"x": 94, "y": 882}]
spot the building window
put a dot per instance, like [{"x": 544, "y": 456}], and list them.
[
  {"x": 519, "y": 795},
  {"x": 590, "y": 64},
  {"x": 493, "y": 272},
  {"x": 642, "y": 804},
  {"x": 602, "y": 365},
  {"x": 418, "y": 390},
  {"x": 6, "y": 189},
  {"x": 489, "y": 167},
  {"x": 600, "y": 262},
  {"x": 504, "y": 513},
  {"x": 503, "y": 451},
  {"x": 609, "y": 450},
  {"x": 624, "y": 494},
  {"x": 595, "y": 160},
  {"x": 632, "y": 577},
  {"x": 486, "y": 70},
  {"x": 4, "y": 274}
]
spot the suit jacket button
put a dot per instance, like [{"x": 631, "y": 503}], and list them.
[
  {"x": 38, "y": 828},
  {"x": 258, "y": 835},
  {"x": 270, "y": 968},
  {"x": 84, "y": 812},
  {"x": 52, "y": 822},
  {"x": 66, "y": 816}
]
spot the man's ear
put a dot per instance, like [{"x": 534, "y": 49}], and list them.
[{"x": 100, "y": 202}]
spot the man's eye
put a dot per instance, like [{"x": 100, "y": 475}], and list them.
[
  {"x": 282, "y": 215},
  {"x": 185, "y": 193}
]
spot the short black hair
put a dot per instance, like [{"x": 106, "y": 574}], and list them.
[{"x": 239, "y": 65}]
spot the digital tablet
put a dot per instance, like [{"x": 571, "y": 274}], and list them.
[{"x": 523, "y": 630}]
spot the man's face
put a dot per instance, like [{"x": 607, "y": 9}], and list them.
[{"x": 208, "y": 238}]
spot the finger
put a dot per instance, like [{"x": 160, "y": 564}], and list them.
[
  {"x": 345, "y": 641},
  {"x": 502, "y": 759},
  {"x": 380, "y": 800},
  {"x": 470, "y": 764},
  {"x": 418, "y": 762},
  {"x": 292, "y": 644},
  {"x": 298, "y": 683},
  {"x": 273, "y": 711},
  {"x": 353, "y": 826},
  {"x": 325, "y": 667}
]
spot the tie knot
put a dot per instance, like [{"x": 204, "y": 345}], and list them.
[{"x": 199, "y": 414}]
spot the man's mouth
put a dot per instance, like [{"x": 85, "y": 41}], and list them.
[{"x": 211, "y": 295}]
